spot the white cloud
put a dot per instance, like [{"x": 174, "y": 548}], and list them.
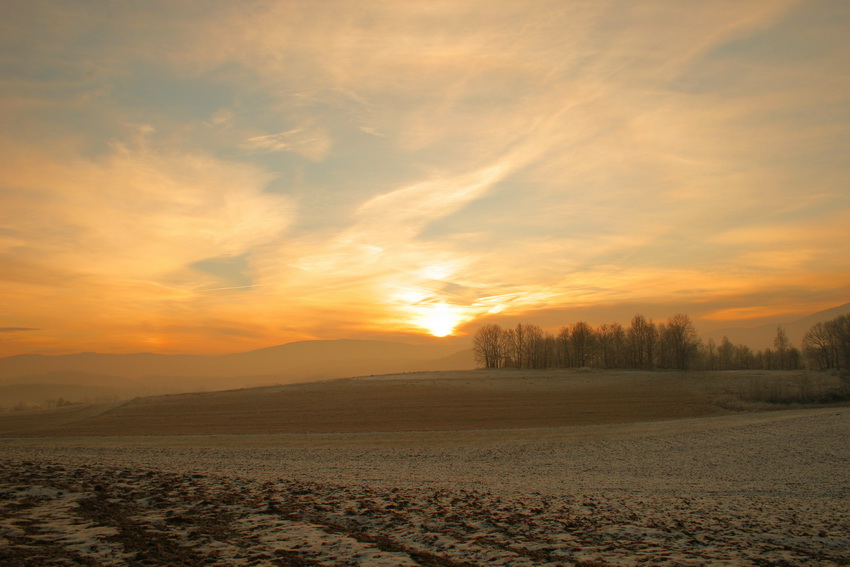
[
  {"x": 135, "y": 213},
  {"x": 617, "y": 151},
  {"x": 306, "y": 140}
]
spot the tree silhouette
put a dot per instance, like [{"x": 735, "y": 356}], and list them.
[
  {"x": 582, "y": 343},
  {"x": 488, "y": 347},
  {"x": 680, "y": 341},
  {"x": 645, "y": 345},
  {"x": 782, "y": 346}
]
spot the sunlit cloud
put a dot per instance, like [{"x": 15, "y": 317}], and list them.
[
  {"x": 305, "y": 140},
  {"x": 403, "y": 212},
  {"x": 745, "y": 313},
  {"x": 293, "y": 170},
  {"x": 136, "y": 212}
]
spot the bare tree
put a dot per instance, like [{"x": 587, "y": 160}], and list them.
[
  {"x": 611, "y": 343},
  {"x": 487, "y": 344},
  {"x": 534, "y": 355},
  {"x": 712, "y": 357},
  {"x": 794, "y": 358},
  {"x": 509, "y": 348},
  {"x": 519, "y": 347},
  {"x": 550, "y": 359},
  {"x": 562, "y": 347},
  {"x": 782, "y": 346},
  {"x": 582, "y": 343},
  {"x": 726, "y": 354},
  {"x": 817, "y": 346},
  {"x": 642, "y": 338},
  {"x": 744, "y": 357},
  {"x": 842, "y": 325},
  {"x": 827, "y": 344},
  {"x": 525, "y": 346},
  {"x": 672, "y": 344},
  {"x": 839, "y": 331},
  {"x": 680, "y": 341}
]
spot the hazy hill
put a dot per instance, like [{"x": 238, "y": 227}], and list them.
[
  {"x": 761, "y": 337},
  {"x": 38, "y": 394},
  {"x": 427, "y": 401},
  {"x": 147, "y": 373}
]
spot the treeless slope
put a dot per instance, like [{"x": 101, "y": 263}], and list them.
[
  {"x": 416, "y": 402},
  {"x": 299, "y": 360},
  {"x": 27, "y": 422}
]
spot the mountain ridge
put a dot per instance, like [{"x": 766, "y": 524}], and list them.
[
  {"x": 761, "y": 337},
  {"x": 136, "y": 373}
]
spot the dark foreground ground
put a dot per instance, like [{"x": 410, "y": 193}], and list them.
[{"x": 759, "y": 489}]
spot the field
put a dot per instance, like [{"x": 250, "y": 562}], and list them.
[{"x": 469, "y": 468}]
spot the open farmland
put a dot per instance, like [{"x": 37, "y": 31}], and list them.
[
  {"x": 406, "y": 402},
  {"x": 567, "y": 468}
]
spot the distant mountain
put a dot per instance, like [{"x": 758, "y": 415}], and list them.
[
  {"x": 761, "y": 337},
  {"x": 38, "y": 394},
  {"x": 135, "y": 374},
  {"x": 462, "y": 360}
]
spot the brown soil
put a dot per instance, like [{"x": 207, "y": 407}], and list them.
[{"x": 415, "y": 402}]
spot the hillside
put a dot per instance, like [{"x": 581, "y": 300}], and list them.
[
  {"x": 437, "y": 401},
  {"x": 146, "y": 373}
]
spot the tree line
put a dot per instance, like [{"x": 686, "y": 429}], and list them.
[
  {"x": 671, "y": 344},
  {"x": 826, "y": 345}
]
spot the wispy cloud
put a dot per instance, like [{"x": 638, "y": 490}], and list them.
[
  {"x": 388, "y": 167},
  {"x": 116, "y": 236},
  {"x": 305, "y": 140},
  {"x": 146, "y": 212},
  {"x": 410, "y": 208}
]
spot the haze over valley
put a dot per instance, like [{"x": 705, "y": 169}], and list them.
[{"x": 28, "y": 381}]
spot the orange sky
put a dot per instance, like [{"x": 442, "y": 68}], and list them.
[{"x": 198, "y": 177}]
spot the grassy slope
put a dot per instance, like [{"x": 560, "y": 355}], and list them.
[
  {"x": 434, "y": 401},
  {"x": 438, "y": 401}
]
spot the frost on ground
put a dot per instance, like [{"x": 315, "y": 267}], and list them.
[{"x": 765, "y": 493}]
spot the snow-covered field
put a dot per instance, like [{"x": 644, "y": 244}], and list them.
[{"x": 769, "y": 489}]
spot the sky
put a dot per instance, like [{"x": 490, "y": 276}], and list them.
[{"x": 218, "y": 176}]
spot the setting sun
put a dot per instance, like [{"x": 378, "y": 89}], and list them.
[
  {"x": 238, "y": 183},
  {"x": 439, "y": 319}
]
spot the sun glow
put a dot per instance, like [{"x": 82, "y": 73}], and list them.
[{"x": 439, "y": 319}]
